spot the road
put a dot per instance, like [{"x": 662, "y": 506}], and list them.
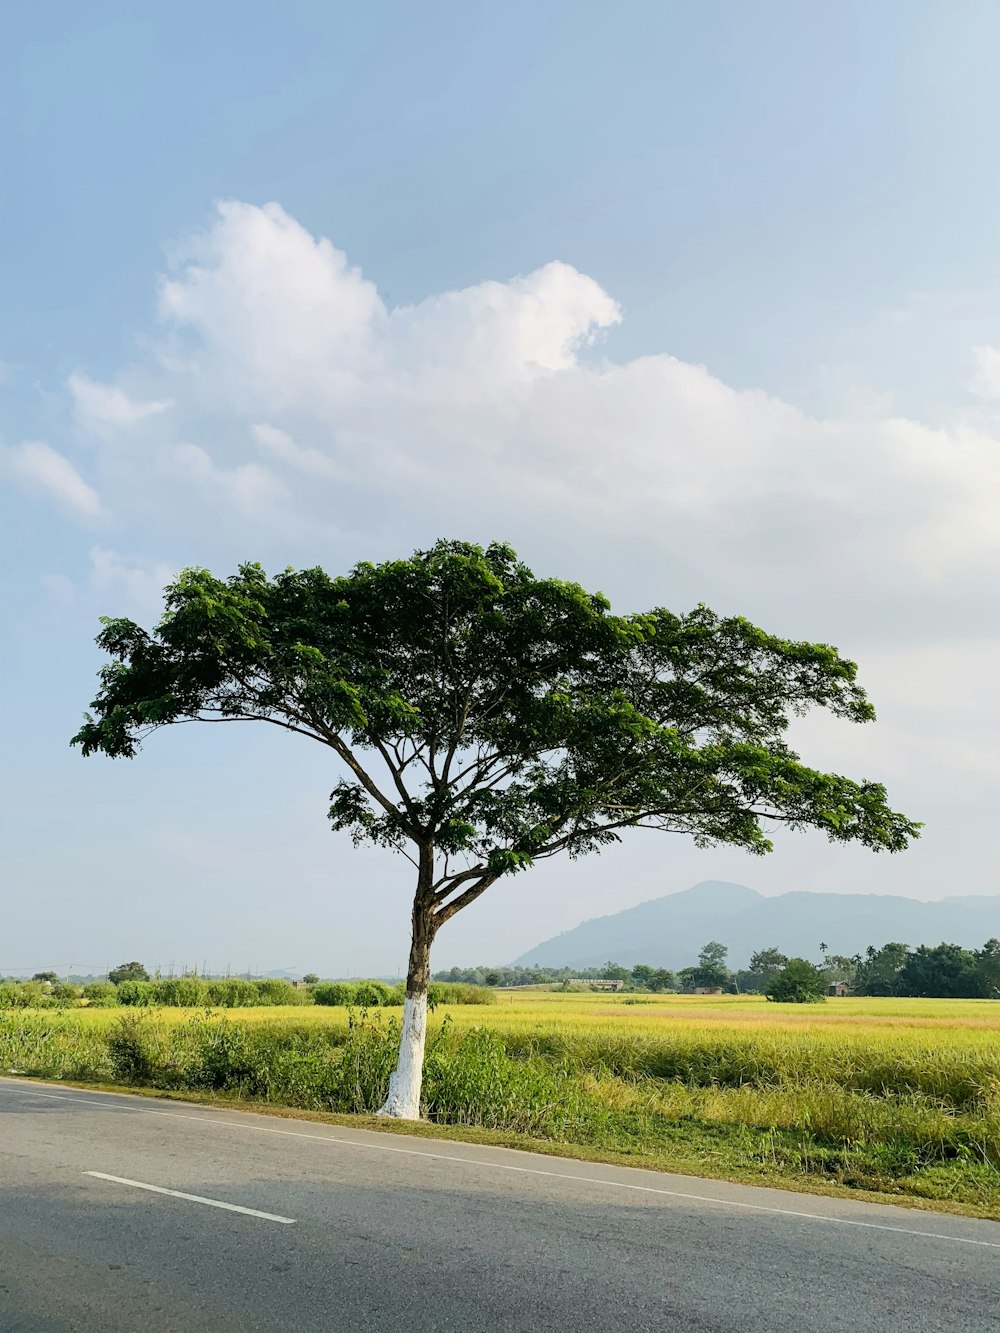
[{"x": 117, "y": 1215}]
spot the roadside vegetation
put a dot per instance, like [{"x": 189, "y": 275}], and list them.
[
  {"x": 896, "y": 1096},
  {"x": 191, "y": 992}
]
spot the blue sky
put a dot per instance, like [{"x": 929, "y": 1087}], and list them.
[{"x": 683, "y": 299}]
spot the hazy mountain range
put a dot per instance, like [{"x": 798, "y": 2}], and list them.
[{"x": 669, "y": 931}]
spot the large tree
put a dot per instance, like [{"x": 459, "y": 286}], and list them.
[{"x": 487, "y": 719}]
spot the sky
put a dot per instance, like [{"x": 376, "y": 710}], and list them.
[{"x": 687, "y": 302}]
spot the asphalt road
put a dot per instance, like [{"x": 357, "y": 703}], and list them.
[{"x": 116, "y": 1216}]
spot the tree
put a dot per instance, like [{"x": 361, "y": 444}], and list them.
[
  {"x": 765, "y": 964},
  {"x": 838, "y": 967},
  {"x": 128, "y": 972},
  {"x": 798, "y": 982},
  {"x": 988, "y": 967},
  {"x": 46, "y": 976},
  {"x": 662, "y": 980},
  {"x": 615, "y": 972},
  {"x": 712, "y": 969},
  {"x": 945, "y": 971},
  {"x": 488, "y": 720},
  {"x": 642, "y": 975},
  {"x": 310, "y": 978},
  {"x": 878, "y": 972}
]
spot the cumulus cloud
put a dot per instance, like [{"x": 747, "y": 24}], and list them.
[
  {"x": 42, "y": 468},
  {"x": 986, "y": 371},
  {"x": 102, "y": 407},
  {"x": 305, "y": 405}
]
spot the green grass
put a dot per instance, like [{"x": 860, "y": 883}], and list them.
[{"x": 897, "y": 1098}]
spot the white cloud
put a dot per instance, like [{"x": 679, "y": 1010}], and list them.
[
  {"x": 279, "y": 445},
  {"x": 102, "y": 407},
  {"x": 249, "y": 488},
  {"x": 43, "y": 468},
  {"x": 986, "y": 371},
  {"x": 303, "y": 405}
]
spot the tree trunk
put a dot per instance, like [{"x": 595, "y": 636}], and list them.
[{"x": 403, "y": 1100}]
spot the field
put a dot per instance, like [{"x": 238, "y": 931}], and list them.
[{"x": 893, "y": 1097}]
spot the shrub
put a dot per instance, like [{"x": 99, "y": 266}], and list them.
[
  {"x": 101, "y": 994},
  {"x": 371, "y": 994},
  {"x": 334, "y": 992},
  {"x": 135, "y": 993},
  {"x": 132, "y": 1050},
  {"x": 276, "y": 990},
  {"x": 233, "y": 993},
  {"x": 180, "y": 992},
  {"x": 459, "y": 992},
  {"x": 64, "y": 992},
  {"x": 798, "y": 982}
]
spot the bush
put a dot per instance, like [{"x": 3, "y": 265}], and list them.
[
  {"x": 370, "y": 994},
  {"x": 798, "y": 982},
  {"x": 334, "y": 992},
  {"x": 101, "y": 994},
  {"x": 179, "y": 992},
  {"x": 135, "y": 993},
  {"x": 25, "y": 995},
  {"x": 233, "y": 993},
  {"x": 459, "y": 992},
  {"x": 132, "y": 1051},
  {"x": 276, "y": 990}
]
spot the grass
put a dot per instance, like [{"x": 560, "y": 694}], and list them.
[{"x": 891, "y": 1098}]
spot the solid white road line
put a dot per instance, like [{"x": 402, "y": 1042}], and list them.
[
  {"x": 93, "y": 1101},
  {"x": 192, "y": 1198}
]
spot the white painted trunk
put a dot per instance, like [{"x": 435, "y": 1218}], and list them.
[{"x": 403, "y": 1101}]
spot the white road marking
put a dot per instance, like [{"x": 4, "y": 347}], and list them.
[
  {"x": 523, "y": 1170},
  {"x": 192, "y": 1198}
]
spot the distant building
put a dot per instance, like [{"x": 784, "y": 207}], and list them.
[
  {"x": 600, "y": 984},
  {"x": 838, "y": 988},
  {"x": 708, "y": 990}
]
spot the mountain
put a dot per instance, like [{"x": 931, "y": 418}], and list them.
[{"x": 669, "y": 931}]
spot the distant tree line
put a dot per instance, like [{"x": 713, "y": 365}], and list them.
[{"x": 940, "y": 971}]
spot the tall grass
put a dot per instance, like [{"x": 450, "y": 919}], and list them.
[{"x": 914, "y": 1112}]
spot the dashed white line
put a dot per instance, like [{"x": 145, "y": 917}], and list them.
[
  {"x": 192, "y": 1198},
  {"x": 93, "y": 1100}
]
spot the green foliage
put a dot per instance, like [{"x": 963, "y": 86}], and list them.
[
  {"x": 46, "y": 976},
  {"x": 335, "y": 993},
  {"x": 878, "y": 973},
  {"x": 133, "y": 1053},
  {"x": 712, "y": 969},
  {"x": 372, "y": 994},
  {"x": 100, "y": 994},
  {"x": 798, "y": 982},
  {"x": 494, "y": 717},
  {"x": 277, "y": 990},
  {"x": 765, "y": 964},
  {"x": 128, "y": 972},
  {"x": 945, "y": 970},
  {"x": 662, "y": 979}
]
